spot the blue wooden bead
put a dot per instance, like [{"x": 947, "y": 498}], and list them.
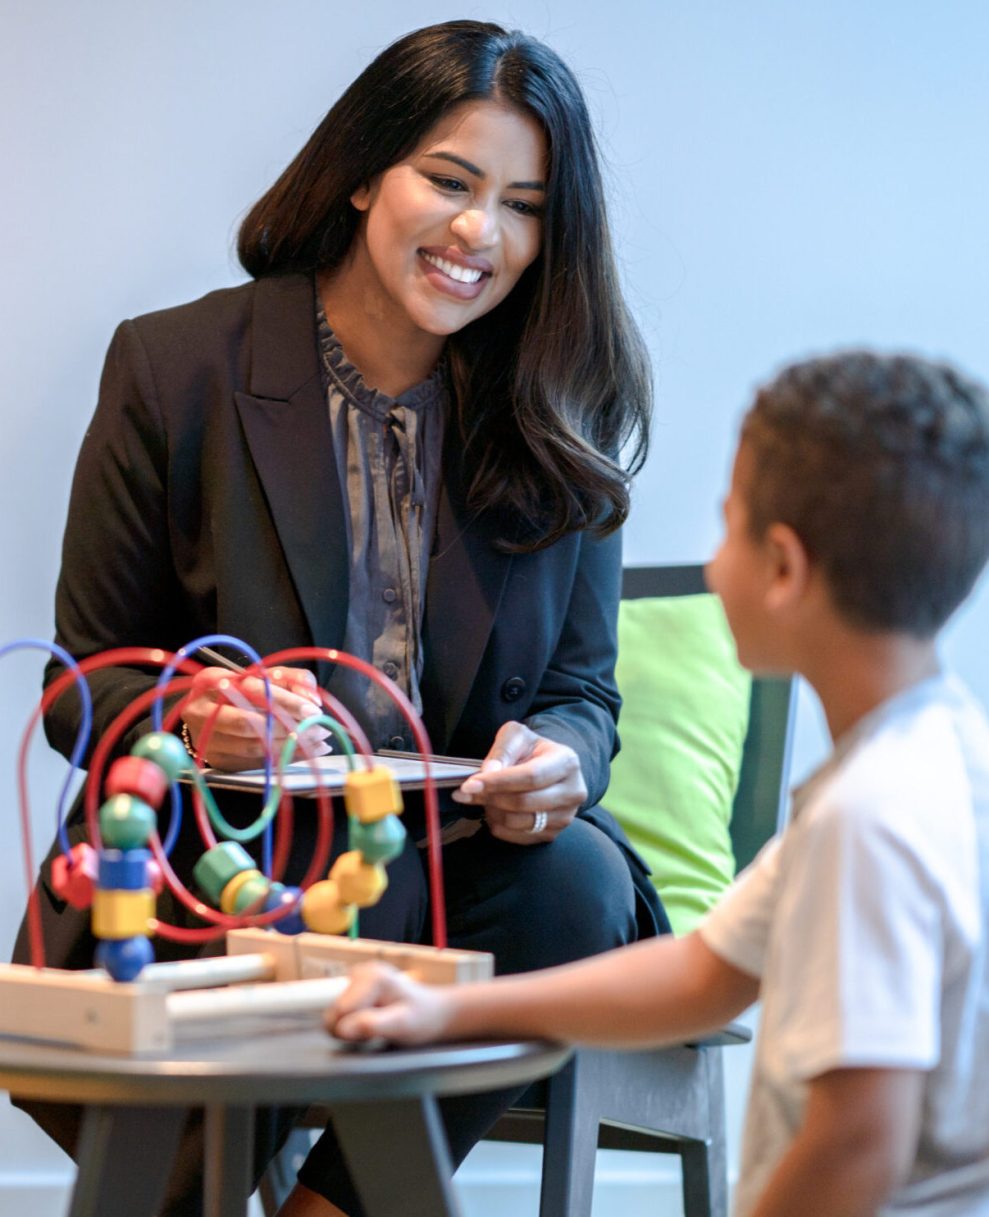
[
  {"x": 124, "y": 870},
  {"x": 291, "y": 923},
  {"x": 126, "y": 822},
  {"x": 381, "y": 841},
  {"x": 167, "y": 751},
  {"x": 124, "y": 958}
]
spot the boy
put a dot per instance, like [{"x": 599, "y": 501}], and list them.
[{"x": 856, "y": 522}]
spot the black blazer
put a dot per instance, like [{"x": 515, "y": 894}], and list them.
[{"x": 206, "y": 498}]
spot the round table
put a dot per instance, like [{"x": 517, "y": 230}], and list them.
[{"x": 382, "y": 1103}]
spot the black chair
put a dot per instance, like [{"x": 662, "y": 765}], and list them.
[{"x": 668, "y": 1100}]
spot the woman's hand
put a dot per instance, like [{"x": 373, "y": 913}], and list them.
[
  {"x": 384, "y": 1002},
  {"x": 236, "y": 737},
  {"x": 530, "y": 787}
]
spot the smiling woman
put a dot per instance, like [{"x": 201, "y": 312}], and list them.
[
  {"x": 446, "y": 234},
  {"x": 409, "y": 437}
]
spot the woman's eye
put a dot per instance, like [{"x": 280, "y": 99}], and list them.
[
  {"x": 447, "y": 183},
  {"x": 525, "y": 209}
]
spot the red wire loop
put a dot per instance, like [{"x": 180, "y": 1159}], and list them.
[{"x": 220, "y": 922}]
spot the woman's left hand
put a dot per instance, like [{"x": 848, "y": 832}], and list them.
[{"x": 530, "y": 787}]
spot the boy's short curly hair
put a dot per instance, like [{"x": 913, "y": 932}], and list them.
[{"x": 880, "y": 464}]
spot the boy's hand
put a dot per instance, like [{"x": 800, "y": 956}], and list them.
[
  {"x": 383, "y": 1002},
  {"x": 530, "y": 787}
]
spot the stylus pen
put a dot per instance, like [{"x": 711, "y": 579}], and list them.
[{"x": 220, "y": 661}]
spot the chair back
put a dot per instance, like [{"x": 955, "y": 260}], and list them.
[{"x": 760, "y": 805}]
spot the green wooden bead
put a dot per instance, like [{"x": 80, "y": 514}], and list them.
[
  {"x": 252, "y": 892},
  {"x": 167, "y": 751},
  {"x": 380, "y": 841},
  {"x": 126, "y": 822},
  {"x": 217, "y": 867}
]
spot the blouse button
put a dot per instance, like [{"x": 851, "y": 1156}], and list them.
[
  {"x": 512, "y": 689},
  {"x": 390, "y": 669},
  {"x": 389, "y": 595}
]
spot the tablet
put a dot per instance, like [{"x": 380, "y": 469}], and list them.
[{"x": 298, "y": 778}]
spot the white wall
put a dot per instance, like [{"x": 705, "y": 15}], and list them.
[{"x": 786, "y": 178}]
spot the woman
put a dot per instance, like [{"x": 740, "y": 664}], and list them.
[{"x": 404, "y": 439}]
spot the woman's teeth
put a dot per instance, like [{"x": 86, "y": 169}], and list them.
[{"x": 462, "y": 274}]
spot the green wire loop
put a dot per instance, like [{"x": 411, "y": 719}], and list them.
[{"x": 219, "y": 821}]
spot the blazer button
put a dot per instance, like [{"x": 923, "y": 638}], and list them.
[{"x": 512, "y": 689}]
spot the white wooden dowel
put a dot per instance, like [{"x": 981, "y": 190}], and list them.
[
  {"x": 277, "y": 998},
  {"x": 204, "y": 973}
]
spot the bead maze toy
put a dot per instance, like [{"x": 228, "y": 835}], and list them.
[{"x": 289, "y": 948}]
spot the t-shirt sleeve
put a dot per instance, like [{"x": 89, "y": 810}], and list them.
[
  {"x": 858, "y": 948},
  {"x": 737, "y": 928}
]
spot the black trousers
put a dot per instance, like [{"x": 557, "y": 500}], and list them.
[{"x": 531, "y": 906}]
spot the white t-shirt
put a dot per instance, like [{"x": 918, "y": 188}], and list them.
[{"x": 867, "y": 922}]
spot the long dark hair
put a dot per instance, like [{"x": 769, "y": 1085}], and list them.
[{"x": 552, "y": 388}]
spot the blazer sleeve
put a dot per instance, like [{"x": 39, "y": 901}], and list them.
[
  {"x": 116, "y": 586},
  {"x": 577, "y": 700}
]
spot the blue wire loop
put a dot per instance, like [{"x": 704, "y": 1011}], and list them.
[{"x": 85, "y": 724}]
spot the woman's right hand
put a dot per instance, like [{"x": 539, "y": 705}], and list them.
[{"x": 236, "y": 738}]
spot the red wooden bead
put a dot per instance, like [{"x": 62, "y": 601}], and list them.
[
  {"x": 137, "y": 776},
  {"x": 74, "y": 875}
]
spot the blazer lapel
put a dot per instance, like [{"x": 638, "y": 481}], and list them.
[
  {"x": 286, "y": 424},
  {"x": 467, "y": 576}
]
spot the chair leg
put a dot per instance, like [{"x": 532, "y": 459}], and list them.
[
  {"x": 569, "y": 1148},
  {"x": 705, "y": 1163}
]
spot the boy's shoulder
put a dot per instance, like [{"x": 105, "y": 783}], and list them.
[
  {"x": 932, "y": 734},
  {"x": 913, "y": 776}
]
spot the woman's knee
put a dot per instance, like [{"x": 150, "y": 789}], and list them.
[{"x": 534, "y": 906}]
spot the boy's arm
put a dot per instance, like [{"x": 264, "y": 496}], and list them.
[
  {"x": 660, "y": 991},
  {"x": 856, "y": 1144}
]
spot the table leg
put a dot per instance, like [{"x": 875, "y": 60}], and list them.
[
  {"x": 125, "y": 1159},
  {"x": 229, "y": 1152},
  {"x": 398, "y": 1157}
]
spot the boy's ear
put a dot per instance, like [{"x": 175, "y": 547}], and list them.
[{"x": 789, "y": 567}]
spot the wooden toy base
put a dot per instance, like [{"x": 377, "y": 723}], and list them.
[{"x": 266, "y": 981}]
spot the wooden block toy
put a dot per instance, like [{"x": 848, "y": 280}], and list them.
[
  {"x": 267, "y": 980},
  {"x": 307, "y": 955},
  {"x": 273, "y": 978}
]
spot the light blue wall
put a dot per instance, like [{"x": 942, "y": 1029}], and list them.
[{"x": 786, "y": 178}]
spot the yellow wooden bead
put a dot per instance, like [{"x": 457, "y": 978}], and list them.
[
  {"x": 228, "y": 896},
  {"x": 372, "y": 794},
  {"x": 359, "y": 882},
  {"x": 323, "y": 911},
  {"x": 122, "y": 914}
]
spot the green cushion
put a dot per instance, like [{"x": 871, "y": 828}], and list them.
[{"x": 684, "y": 716}]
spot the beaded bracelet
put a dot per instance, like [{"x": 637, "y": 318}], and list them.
[{"x": 190, "y": 747}]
